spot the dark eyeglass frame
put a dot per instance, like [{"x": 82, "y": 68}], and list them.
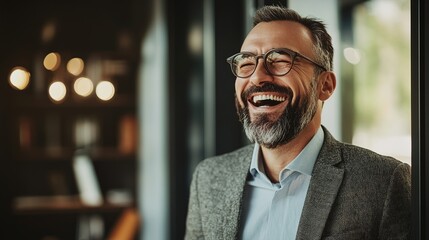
[{"x": 292, "y": 53}]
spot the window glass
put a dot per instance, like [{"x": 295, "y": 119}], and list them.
[{"x": 381, "y": 59}]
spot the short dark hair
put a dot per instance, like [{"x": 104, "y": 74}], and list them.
[{"x": 324, "y": 51}]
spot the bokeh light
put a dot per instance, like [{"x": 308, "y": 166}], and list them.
[
  {"x": 75, "y": 66},
  {"x": 352, "y": 55},
  {"x": 105, "y": 90},
  {"x": 83, "y": 86},
  {"x": 52, "y": 61},
  {"x": 19, "y": 78},
  {"x": 57, "y": 91}
]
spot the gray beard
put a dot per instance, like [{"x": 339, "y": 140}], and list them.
[{"x": 273, "y": 133}]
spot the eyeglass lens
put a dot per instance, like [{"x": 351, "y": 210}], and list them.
[{"x": 277, "y": 63}]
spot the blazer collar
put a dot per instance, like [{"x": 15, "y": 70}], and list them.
[{"x": 325, "y": 182}]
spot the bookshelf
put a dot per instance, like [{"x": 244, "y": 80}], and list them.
[
  {"x": 44, "y": 126},
  {"x": 47, "y": 137}
]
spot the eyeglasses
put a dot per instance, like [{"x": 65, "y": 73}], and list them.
[{"x": 277, "y": 62}]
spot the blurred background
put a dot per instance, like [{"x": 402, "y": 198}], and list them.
[{"x": 107, "y": 107}]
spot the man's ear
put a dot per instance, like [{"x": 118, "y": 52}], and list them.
[{"x": 327, "y": 84}]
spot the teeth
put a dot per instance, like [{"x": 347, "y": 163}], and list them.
[{"x": 267, "y": 97}]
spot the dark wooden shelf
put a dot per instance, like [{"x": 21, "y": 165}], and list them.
[
  {"x": 41, "y": 136},
  {"x": 62, "y": 204},
  {"x": 67, "y": 154},
  {"x": 35, "y": 103}
]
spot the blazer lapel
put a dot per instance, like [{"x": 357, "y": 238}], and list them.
[
  {"x": 324, "y": 185},
  {"x": 235, "y": 187}
]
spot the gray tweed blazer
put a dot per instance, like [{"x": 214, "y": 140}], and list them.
[{"x": 353, "y": 194}]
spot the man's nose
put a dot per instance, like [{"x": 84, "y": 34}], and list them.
[{"x": 261, "y": 75}]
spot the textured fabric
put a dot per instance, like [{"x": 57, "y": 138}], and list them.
[
  {"x": 354, "y": 193},
  {"x": 272, "y": 210}
]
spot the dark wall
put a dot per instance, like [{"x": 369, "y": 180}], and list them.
[
  {"x": 420, "y": 118},
  {"x": 186, "y": 91}
]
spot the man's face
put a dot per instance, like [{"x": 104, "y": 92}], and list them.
[{"x": 274, "y": 109}]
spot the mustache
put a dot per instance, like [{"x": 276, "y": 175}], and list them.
[{"x": 267, "y": 87}]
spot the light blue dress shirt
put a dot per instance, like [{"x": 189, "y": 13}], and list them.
[{"x": 272, "y": 210}]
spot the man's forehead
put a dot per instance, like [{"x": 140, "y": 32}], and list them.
[{"x": 275, "y": 34}]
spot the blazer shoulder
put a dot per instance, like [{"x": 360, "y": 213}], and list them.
[
  {"x": 356, "y": 156},
  {"x": 238, "y": 158}
]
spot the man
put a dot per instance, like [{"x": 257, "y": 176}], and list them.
[{"x": 296, "y": 181}]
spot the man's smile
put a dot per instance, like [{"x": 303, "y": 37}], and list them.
[
  {"x": 270, "y": 99},
  {"x": 267, "y": 101}
]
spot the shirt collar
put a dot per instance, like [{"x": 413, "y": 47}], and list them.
[{"x": 303, "y": 163}]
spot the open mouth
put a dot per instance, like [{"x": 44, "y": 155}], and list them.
[{"x": 267, "y": 100}]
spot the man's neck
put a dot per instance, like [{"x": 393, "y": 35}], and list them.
[{"x": 276, "y": 159}]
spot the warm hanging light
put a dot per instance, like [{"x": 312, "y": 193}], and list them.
[
  {"x": 75, "y": 66},
  {"x": 52, "y": 61},
  {"x": 57, "y": 91},
  {"x": 19, "y": 78},
  {"x": 83, "y": 86},
  {"x": 105, "y": 90}
]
